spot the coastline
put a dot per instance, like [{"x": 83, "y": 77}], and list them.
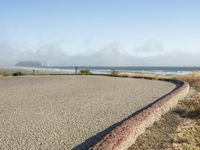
[{"x": 166, "y": 71}]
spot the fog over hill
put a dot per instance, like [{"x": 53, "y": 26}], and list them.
[
  {"x": 31, "y": 64},
  {"x": 111, "y": 55},
  {"x": 122, "y": 59}
]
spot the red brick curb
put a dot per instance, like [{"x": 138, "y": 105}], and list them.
[{"x": 123, "y": 136}]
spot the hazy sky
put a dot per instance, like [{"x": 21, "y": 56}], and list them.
[{"x": 60, "y": 31}]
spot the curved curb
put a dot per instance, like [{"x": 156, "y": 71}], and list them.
[{"x": 123, "y": 136}]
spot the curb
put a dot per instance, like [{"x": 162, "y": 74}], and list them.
[{"x": 123, "y": 136}]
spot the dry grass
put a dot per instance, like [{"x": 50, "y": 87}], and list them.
[
  {"x": 193, "y": 79},
  {"x": 180, "y": 129},
  {"x": 187, "y": 135},
  {"x": 145, "y": 75},
  {"x": 7, "y": 72}
]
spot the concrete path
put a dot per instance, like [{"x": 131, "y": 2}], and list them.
[{"x": 65, "y": 112}]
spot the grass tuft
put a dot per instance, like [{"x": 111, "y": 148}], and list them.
[
  {"x": 85, "y": 72},
  {"x": 114, "y": 73},
  {"x": 187, "y": 135},
  {"x": 193, "y": 79},
  {"x": 5, "y": 74}
]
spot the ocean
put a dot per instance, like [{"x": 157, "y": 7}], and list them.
[{"x": 107, "y": 70}]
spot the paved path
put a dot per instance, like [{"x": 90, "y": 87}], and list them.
[{"x": 61, "y": 112}]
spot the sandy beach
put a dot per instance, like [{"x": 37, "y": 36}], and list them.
[{"x": 62, "y": 112}]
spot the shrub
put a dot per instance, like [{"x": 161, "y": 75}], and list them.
[
  {"x": 85, "y": 72},
  {"x": 17, "y": 74},
  {"x": 193, "y": 79},
  {"x": 115, "y": 73}
]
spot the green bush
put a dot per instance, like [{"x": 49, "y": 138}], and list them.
[
  {"x": 85, "y": 72},
  {"x": 17, "y": 74},
  {"x": 115, "y": 73}
]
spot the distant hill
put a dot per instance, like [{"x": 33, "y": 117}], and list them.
[{"x": 31, "y": 64}]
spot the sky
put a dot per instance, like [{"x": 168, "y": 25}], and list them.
[{"x": 100, "y": 32}]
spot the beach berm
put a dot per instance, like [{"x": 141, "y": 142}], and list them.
[{"x": 65, "y": 112}]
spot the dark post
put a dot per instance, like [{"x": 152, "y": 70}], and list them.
[{"x": 76, "y": 68}]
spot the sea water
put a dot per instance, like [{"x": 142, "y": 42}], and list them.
[{"x": 107, "y": 69}]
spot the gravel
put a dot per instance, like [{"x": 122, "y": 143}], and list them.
[{"x": 65, "y": 112}]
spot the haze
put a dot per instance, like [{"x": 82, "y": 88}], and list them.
[{"x": 101, "y": 33}]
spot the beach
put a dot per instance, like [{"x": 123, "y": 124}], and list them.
[{"x": 65, "y": 112}]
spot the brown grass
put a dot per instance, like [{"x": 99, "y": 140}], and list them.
[
  {"x": 145, "y": 75},
  {"x": 193, "y": 79},
  {"x": 187, "y": 135},
  {"x": 7, "y": 72},
  {"x": 180, "y": 128}
]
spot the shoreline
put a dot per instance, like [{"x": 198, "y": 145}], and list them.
[{"x": 106, "y": 70}]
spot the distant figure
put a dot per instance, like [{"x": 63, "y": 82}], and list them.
[{"x": 76, "y": 69}]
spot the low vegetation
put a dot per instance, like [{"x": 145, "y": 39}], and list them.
[
  {"x": 193, "y": 79},
  {"x": 146, "y": 75},
  {"x": 85, "y": 72},
  {"x": 180, "y": 128},
  {"x": 114, "y": 73},
  {"x": 187, "y": 135},
  {"x": 4, "y": 74},
  {"x": 10, "y": 73},
  {"x": 17, "y": 74}
]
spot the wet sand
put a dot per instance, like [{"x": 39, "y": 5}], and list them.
[{"x": 61, "y": 112}]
